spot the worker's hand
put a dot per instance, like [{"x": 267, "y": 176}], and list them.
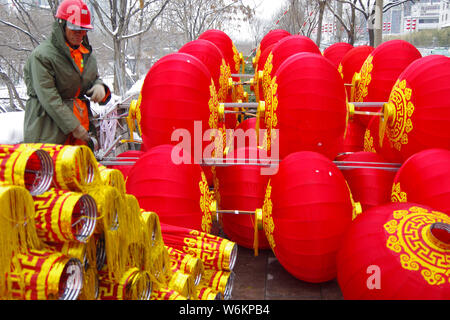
[
  {"x": 97, "y": 93},
  {"x": 81, "y": 133}
]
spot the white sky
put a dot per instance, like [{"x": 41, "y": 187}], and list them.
[{"x": 265, "y": 9}]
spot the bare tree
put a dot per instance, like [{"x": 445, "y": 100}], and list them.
[
  {"x": 367, "y": 9},
  {"x": 193, "y": 17},
  {"x": 117, "y": 19}
]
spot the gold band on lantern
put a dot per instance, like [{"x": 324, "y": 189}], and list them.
[
  {"x": 65, "y": 216},
  {"x": 26, "y": 166}
]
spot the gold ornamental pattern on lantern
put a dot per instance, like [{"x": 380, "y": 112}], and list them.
[
  {"x": 268, "y": 224},
  {"x": 400, "y": 126},
  {"x": 270, "y": 88},
  {"x": 237, "y": 58},
  {"x": 368, "y": 142},
  {"x": 206, "y": 199},
  {"x": 362, "y": 88},
  {"x": 410, "y": 238},
  {"x": 225, "y": 74},
  {"x": 397, "y": 195},
  {"x": 218, "y": 136}
]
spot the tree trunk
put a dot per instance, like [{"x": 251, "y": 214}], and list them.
[
  {"x": 378, "y": 23},
  {"x": 319, "y": 24},
  {"x": 119, "y": 67},
  {"x": 340, "y": 27}
]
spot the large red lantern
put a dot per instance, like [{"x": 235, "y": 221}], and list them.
[
  {"x": 370, "y": 187},
  {"x": 417, "y": 116},
  {"x": 307, "y": 105},
  {"x": 272, "y": 37},
  {"x": 336, "y": 52},
  {"x": 226, "y": 45},
  {"x": 178, "y": 97},
  {"x": 178, "y": 193},
  {"x": 307, "y": 209},
  {"x": 396, "y": 251},
  {"x": 242, "y": 187},
  {"x": 425, "y": 178},
  {"x": 351, "y": 63},
  {"x": 380, "y": 71},
  {"x": 208, "y": 53}
]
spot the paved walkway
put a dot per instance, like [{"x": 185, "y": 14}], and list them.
[{"x": 263, "y": 278}]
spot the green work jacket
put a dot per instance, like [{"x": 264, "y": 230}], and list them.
[{"x": 53, "y": 79}]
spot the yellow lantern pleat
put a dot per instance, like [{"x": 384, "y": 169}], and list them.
[
  {"x": 184, "y": 284},
  {"x": 111, "y": 208},
  {"x": 157, "y": 261},
  {"x": 17, "y": 228}
]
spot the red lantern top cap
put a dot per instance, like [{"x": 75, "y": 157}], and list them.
[
  {"x": 290, "y": 45},
  {"x": 272, "y": 37},
  {"x": 336, "y": 52}
]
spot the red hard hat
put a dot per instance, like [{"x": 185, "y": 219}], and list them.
[{"x": 76, "y": 13}]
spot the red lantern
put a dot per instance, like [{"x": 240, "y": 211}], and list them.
[
  {"x": 127, "y": 156},
  {"x": 178, "y": 193},
  {"x": 242, "y": 187},
  {"x": 306, "y": 211},
  {"x": 178, "y": 93},
  {"x": 336, "y": 52},
  {"x": 425, "y": 178},
  {"x": 308, "y": 106},
  {"x": 351, "y": 63},
  {"x": 208, "y": 53},
  {"x": 396, "y": 251},
  {"x": 225, "y": 44},
  {"x": 370, "y": 187},
  {"x": 371, "y": 142},
  {"x": 380, "y": 71},
  {"x": 353, "y": 141},
  {"x": 417, "y": 116}
]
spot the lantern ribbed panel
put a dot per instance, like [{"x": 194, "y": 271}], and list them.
[
  {"x": 289, "y": 46},
  {"x": 425, "y": 179},
  {"x": 428, "y": 80},
  {"x": 242, "y": 187},
  {"x": 336, "y": 52},
  {"x": 272, "y": 37},
  {"x": 370, "y": 187},
  {"x": 170, "y": 190},
  {"x": 175, "y": 94},
  {"x": 208, "y": 53},
  {"x": 311, "y": 211},
  {"x": 352, "y": 62},
  {"x": 311, "y": 105},
  {"x": 224, "y": 43},
  {"x": 380, "y": 243}
]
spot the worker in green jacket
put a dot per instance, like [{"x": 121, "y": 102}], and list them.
[{"x": 61, "y": 76}]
